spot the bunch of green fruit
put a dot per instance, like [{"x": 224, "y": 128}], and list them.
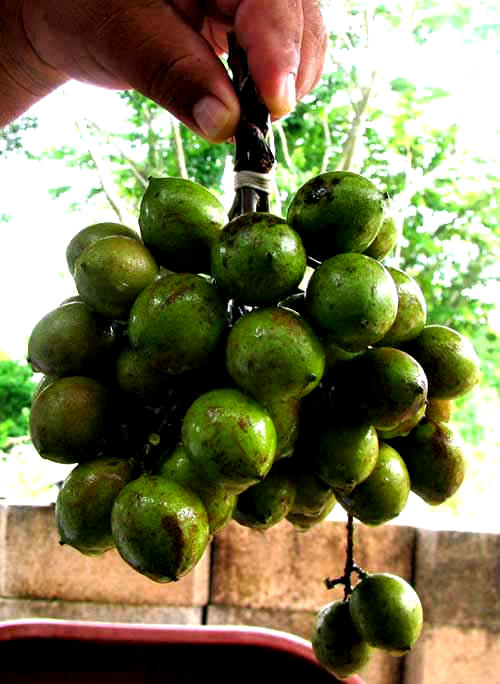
[{"x": 192, "y": 381}]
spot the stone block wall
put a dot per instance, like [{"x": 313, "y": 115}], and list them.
[{"x": 273, "y": 579}]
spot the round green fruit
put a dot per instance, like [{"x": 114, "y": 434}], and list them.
[
  {"x": 179, "y": 222},
  {"x": 69, "y": 419},
  {"x": 387, "y": 613},
  {"x": 384, "y": 385},
  {"x": 85, "y": 500},
  {"x": 91, "y": 234},
  {"x": 303, "y": 522},
  {"x": 336, "y": 212},
  {"x": 354, "y": 298},
  {"x": 177, "y": 322},
  {"x": 218, "y": 503},
  {"x": 385, "y": 240},
  {"x": 434, "y": 455},
  {"x": 230, "y": 438},
  {"x": 274, "y": 352},
  {"x": 258, "y": 259},
  {"x": 346, "y": 455},
  {"x": 336, "y": 642},
  {"x": 384, "y": 493},
  {"x": 111, "y": 272},
  {"x": 266, "y": 503},
  {"x": 412, "y": 311},
  {"x": 448, "y": 359},
  {"x": 70, "y": 340},
  {"x": 285, "y": 415},
  {"x": 159, "y": 527}
]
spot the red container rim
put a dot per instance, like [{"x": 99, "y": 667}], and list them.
[{"x": 111, "y": 632}]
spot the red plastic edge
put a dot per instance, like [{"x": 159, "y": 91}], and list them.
[{"x": 102, "y": 632}]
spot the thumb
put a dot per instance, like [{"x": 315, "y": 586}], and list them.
[{"x": 157, "y": 53}]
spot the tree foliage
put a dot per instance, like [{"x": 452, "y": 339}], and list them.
[{"x": 16, "y": 389}]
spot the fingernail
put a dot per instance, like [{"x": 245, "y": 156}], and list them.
[
  {"x": 212, "y": 116},
  {"x": 288, "y": 94}
]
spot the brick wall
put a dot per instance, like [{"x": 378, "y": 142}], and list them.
[{"x": 272, "y": 579}]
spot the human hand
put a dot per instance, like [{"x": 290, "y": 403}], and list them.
[{"x": 169, "y": 51}]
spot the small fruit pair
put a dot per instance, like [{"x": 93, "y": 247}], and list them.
[{"x": 383, "y": 612}]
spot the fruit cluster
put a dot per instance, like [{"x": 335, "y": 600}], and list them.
[{"x": 194, "y": 382}]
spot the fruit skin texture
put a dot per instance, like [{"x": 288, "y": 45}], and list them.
[
  {"x": 285, "y": 414},
  {"x": 85, "y": 500},
  {"x": 138, "y": 379},
  {"x": 384, "y": 385},
  {"x": 160, "y": 528},
  {"x": 384, "y": 493},
  {"x": 387, "y": 613},
  {"x": 268, "y": 502},
  {"x": 354, "y": 297},
  {"x": 218, "y": 503},
  {"x": 179, "y": 221},
  {"x": 336, "y": 643},
  {"x": 434, "y": 456},
  {"x": 68, "y": 340},
  {"x": 412, "y": 310},
  {"x": 230, "y": 438},
  {"x": 90, "y": 234},
  {"x": 258, "y": 259},
  {"x": 274, "y": 352},
  {"x": 111, "y": 272},
  {"x": 336, "y": 212},
  {"x": 69, "y": 419},
  {"x": 448, "y": 359},
  {"x": 177, "y": 322},
  {"x": 347, "y": 455}
]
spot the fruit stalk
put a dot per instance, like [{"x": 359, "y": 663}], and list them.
[
  {"x": 252, "y": 151},
  {"x": 350, "y": 565}
]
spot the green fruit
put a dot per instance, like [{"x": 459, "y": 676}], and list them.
[
  {"x": 90, "y": 234},
  {"x": 69, "y": 419},
  {"x": 336, "y": 643},
  {"x": 385, "y": 240},
  {"x": 159, "y": 527},
  {"x": 265, "y": 504},
  {"x": 435, "y": 459},
  {"x": 412, "y": 311},
  {"x": 353, "y": 297},
  {"x": 230, "y": 438},
  {"x": 179, "y": 221},
  {"x": 178, "y": 322},
  {"x": 111, "y": 272},
  {"x": 346, "y": 455},
  {"x": 384, "y": 493},
  {"x": 405, "y": 427},
  {"x": 85, "y": 500},
  {"x": 386, "y": 612},
  {"x": 312, "y": 493},
  {"x": 273, "y": 352},
  {"x": 69, "y": 340},
  {"x": 138, "y": 379},
  {"x": 219, "y": 504},
  {"x": 336, "y": 212},
  {"x": 448, "y": 359},
  {"x": 285, "y": 416},
  {"x": 258, "y": 259},
  {"x": 303, "y": 522},
  {"x": 386, "y": 386}
]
